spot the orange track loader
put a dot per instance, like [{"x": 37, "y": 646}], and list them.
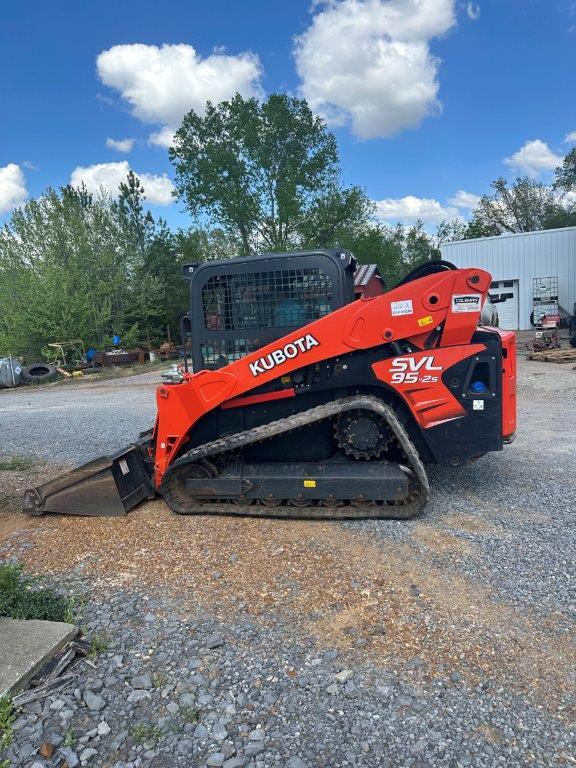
[{"x": 308, "y": 403}]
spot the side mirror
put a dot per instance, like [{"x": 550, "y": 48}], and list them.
[{"x": 188, "y": 270}]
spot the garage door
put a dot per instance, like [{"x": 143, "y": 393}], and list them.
[{"x": 507, "y": 309}]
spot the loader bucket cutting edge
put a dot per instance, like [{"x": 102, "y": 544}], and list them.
[{"x": 109, "y": 486}]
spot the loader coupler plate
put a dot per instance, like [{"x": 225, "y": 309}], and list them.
[{"x": 106, "y": 487}]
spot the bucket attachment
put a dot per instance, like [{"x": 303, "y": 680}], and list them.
[{"x": 106, "y": 487}]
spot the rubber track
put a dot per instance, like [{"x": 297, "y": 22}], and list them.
[{"x": 411, "y": 508}]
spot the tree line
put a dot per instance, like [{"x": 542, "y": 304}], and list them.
[{"x": 255, "y": 177}]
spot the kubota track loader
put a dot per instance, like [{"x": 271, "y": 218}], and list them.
[{"x": 307, "y": 403}]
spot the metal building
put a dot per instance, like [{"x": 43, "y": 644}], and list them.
[{"x": 530, "y": 270}]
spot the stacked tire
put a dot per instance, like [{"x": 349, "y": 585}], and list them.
[{"x": 38, "y": 373}]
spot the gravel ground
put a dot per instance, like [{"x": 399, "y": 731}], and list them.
[
  {"x": 73, "y": 423},
  {"x": 445, "y": 641}
]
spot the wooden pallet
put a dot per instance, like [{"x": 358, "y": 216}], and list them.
[{"x": 565, "y": 355}]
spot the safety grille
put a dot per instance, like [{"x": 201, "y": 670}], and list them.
[
  {"x": 218, "y": 353},
  {"x": 275, "y": 299}
]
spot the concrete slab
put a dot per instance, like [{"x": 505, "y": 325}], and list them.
[{"x": 25, "y": 645}]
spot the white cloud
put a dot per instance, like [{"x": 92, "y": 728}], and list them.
[
  {"x": 534, "y": 158},
  {"x": 157, "y": 189},
  {"x": 161, "y": 84},
  {"x": 120, "y": 145},
  {"x": 408, "y": 210},
  {"x": 162, "y": 138},
  {"x": 464, "y": 199},
  {"x": 570, "y": 137},
  {"x": 367, "y": 62},
  {"x": 12, "y": 187},
  {"x": 473, "y": 10}
]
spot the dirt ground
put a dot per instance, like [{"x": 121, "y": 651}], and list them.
[
  {"x": 330, "y": 581},
  {"x": 410, "y": 590}
]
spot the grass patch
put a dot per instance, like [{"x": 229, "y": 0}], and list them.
[
  {"x": 190, "y": 714},
  {"x": 159, "y": 680},
  {"x": 15, "y": 464},
  {"x": 98, "y": 644},
  {"x": 74, "y": 608},
  {"x": 22, "y": 598},
  {"x": 70, "y": 610},
  {"x": 69, "y": 739},
  {"x": 7, "y": 717},
  {"x": 148, "y": 733}
]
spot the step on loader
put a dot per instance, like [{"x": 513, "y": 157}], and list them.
[{"x": 306, "y": 402}]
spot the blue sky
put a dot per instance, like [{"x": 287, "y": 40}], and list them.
[{"x": 428, "y": 98}]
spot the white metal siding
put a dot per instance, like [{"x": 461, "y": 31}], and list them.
[{"x": 523, "y": 257}]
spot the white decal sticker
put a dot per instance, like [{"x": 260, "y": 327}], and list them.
[
  {"x": 402, "y": 307},
  {"x": 278, "y": 356},
  {"x": 478, "y": 405},
  {"x": 123, "y": 464},
  {"x": 466, "y": 302},
  {"x": 18, "y": 370},
  {"x": 407, "y": 370}
]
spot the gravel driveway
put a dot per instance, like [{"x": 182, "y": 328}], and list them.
[
  {"x": 448, "y": 640},
  {"x": 78, "y": 421}
]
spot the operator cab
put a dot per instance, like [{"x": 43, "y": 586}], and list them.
[{"x": 240, "y": 305}]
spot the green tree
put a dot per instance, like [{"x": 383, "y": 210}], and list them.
[
  {"x": 62, "y": 274},
  {"x": 396, "y": 250},
  {"x": 266, "y": 173},
  {"x": 338, "y": 218},
  {"x": 137, "y": 226},
  {"x": 450, "y": 230},
  {"x": 160, "y": 290},
  {"x": 565, "y": 175},
  {"x": 524, "y": 205},
  {"x": 418, "y": 247},
  {"x": 73, "y": 264},
  {"x": 158, "y": 293},
  {"x": 146, "y": 245},
  {"x": 197, "y": 245}
]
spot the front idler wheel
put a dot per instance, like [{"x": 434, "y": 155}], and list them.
[{"x": 175, "y": 491}]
